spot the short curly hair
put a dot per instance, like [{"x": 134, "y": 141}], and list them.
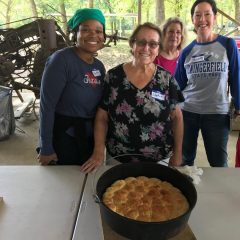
[{"x": 148, "y": 25}]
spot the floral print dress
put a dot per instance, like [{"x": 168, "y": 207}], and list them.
[{"x": 139, "y": 119}]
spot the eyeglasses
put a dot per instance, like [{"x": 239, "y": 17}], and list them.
[{"x": 143, "y": 43}]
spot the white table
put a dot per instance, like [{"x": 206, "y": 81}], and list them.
[
  {"x": 39, "y": 203},
  {"x": 217, "y": 212},
  {"x": 215, "y": 217},
  {"x": 89, "y": 224}
]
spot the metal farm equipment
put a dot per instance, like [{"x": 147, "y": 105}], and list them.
[{"x": 24, "y": 50}]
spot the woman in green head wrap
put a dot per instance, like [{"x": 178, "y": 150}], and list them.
[
  {"x": 70, "y": 92},
  {"x": 82, "y": 22},
  {"x": 85, "y": 14}
]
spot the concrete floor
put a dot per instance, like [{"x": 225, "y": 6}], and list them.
[{"x": 19, "y": 149}]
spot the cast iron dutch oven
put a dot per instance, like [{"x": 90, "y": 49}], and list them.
[{"x": 138, "y": 230}]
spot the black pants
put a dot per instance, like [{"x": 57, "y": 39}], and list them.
[
  {"x": 75, "y": 149},
  {"x": 68, "y": 150}
]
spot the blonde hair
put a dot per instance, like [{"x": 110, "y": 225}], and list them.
[{"x": 177, "y": 20}]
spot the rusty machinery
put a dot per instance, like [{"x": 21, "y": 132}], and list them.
[{"x": 24, "y": 51}]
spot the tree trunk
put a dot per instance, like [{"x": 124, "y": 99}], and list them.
[
  {"x": 178, "y": 7},
  {"x": 90, "y": 3},
  {"x": 147, "y": 15},
  {"x": 113, "y": 19},
  {"x": 34, "y": 9},
  {"x": 139, "y": 11},
  {"x": 8, "y": 10},
  {"x": 63, "y": 16},
  {"x": 160, "y": 11},
  {"x": 237, "y": 10}
]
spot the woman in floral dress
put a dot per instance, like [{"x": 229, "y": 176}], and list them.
[{"x": 139, "y": 113}]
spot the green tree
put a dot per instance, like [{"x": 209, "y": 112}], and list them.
[
  {"x": 160, "y": 11},
  {"x": 33, "y": 8},
  {"x": 63, "y": 16},
  {"x": 7, "y": 16},
  {"x": 90, "y": 3},
  {"x": 152, "y": 10},
  {"x": 237, "y": 10},
  {"x": 147, "y": 7}
]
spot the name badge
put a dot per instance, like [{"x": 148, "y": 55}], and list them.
[
  {"x": 96, "y": 73},
  {"x": 158, "y": 95},
  {"x": 198, "y": 59}
]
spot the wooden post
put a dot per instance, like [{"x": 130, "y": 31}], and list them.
[
  {"x": 90, "y": 3},
  {"x": 139, "y": 11},
  {"x": 229, "y": 17}
]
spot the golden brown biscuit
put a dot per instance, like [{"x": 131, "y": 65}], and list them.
[
  {"x": 128, "y": 187},
  {"x": 144, "y": 180},
  {"x": 112, "y": 206},
  {"x": 135, "y": 195},
  {"x": 154, "y": 182},
  {"x": 130, "y": 179},
  {"x": 119, "y": 184},
  {"x": 145, "y": 199},
  {"x": 133, "y": 214},
  {"x": 111, "y": 189},
  {"x": 120, "y": 197}
]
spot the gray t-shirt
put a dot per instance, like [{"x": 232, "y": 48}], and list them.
[{"x": 202, "y": 74}]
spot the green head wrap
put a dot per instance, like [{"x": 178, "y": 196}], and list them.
[{"x": 82, "y": 15}]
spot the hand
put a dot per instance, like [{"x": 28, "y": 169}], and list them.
[
  {"x": 47, "y": 159},
  {"x": 175, "y": 160},
  {"x": 92, "y": 163},
  {"x": 236, "y": 114}
]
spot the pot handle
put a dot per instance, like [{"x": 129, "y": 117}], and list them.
[{"x": 94, "y": 193}]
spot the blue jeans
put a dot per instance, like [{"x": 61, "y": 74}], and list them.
[{"x": 215, "y": 131}]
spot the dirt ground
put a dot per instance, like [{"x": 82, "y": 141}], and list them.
[{"x": 114, "y": 55}]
